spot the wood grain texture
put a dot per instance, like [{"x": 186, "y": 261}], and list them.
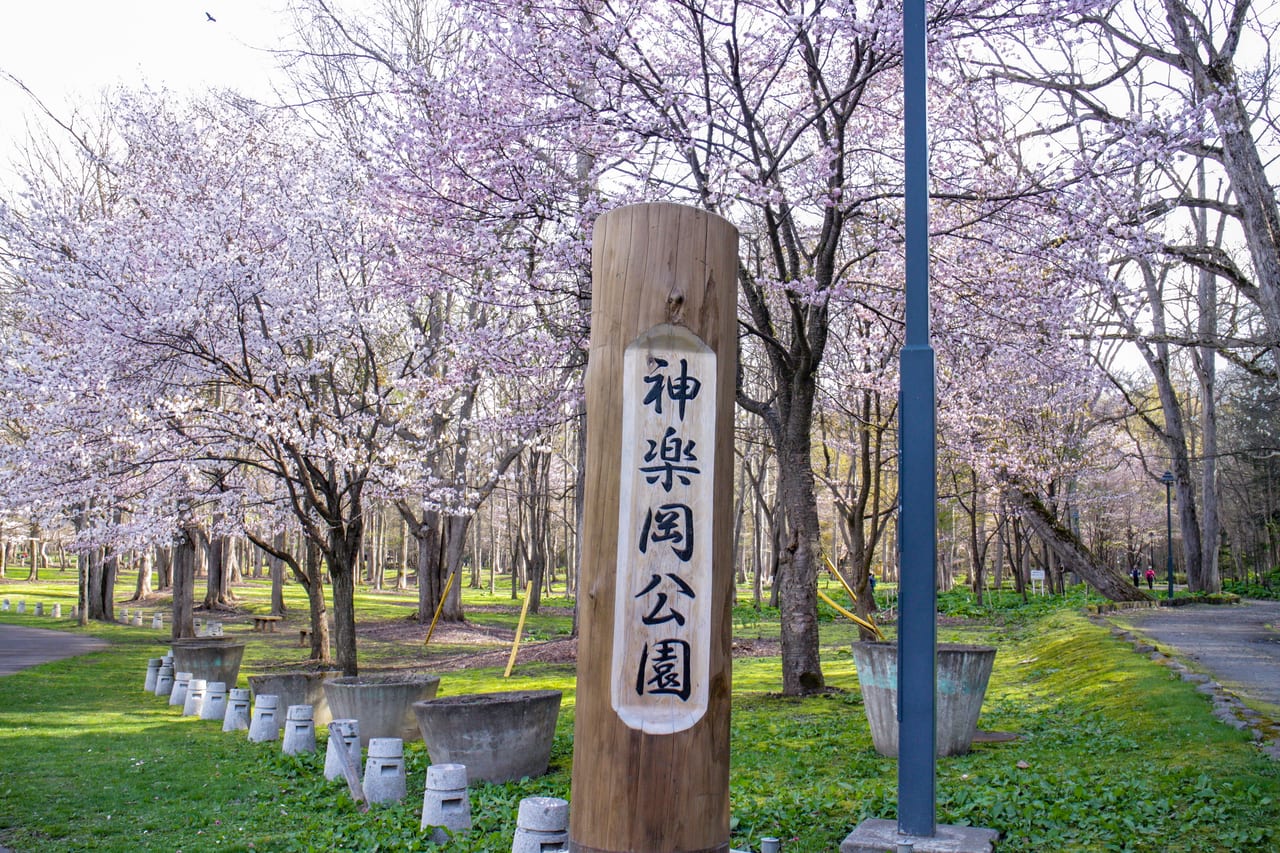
[{"x": 635, "y": 792}]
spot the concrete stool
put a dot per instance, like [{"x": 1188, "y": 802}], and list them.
[
  {"x": 164, "y": 680},
  {"x": 236, "y": 718},
  {"x": 39, "y": 608},
  {"x": 75, "y": 611},
  {"x": 157, "y": 622},
  {"x": 299, "y": 730},
  {"x": 22, "y": 605},
  {"x": 57, "y": 611},
  {"x": 137, "y": 619},
  {"x": 445, "y": 804},
  {"x": 192, "y": 705},
  {"x": 4, "y": 605},
  {"x": 384, "y": 771},
  {"x": 542, "y": 826},
  {"x": 343, "y": 734},
  {"x": 124, "y": 619},
  {"x": 179, "y": 694},
  {"x": 264, "y": 727},
  {"x": 215, "y": 701},
  {"x": 153, "y": 669}
]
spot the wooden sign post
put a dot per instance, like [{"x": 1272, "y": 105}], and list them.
[{"x": 651, "y": 734}]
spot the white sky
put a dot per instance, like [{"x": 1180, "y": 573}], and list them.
[{"x": 67, "y": 51}]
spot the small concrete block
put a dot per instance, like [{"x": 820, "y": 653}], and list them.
[
  {"x": 237, "y": 717},
  {"x": 179, "y": 694},
  {"x": 22, "y": 605},
  {"x": 446, "y": 803},
  {"x": 263, "y": 727},
  {"x": 878, "y": 836},
  {"x": 137, "y": 619},
  {"x": 5, "y": 606},
  {"x": 39, "y": 608},
  {"x": 153, "y": 670},
  {"x": 215, "y": 701},
  {"x": 164, "y": 680},
  {"x": 384, "y": 774},
  {"x": 195, "y": 697},
  {"x": 157, "y": 622},
  {"x": 446, "y": 777},
  {"x": 57, "y": 611},
  {"x": 299, "y": 731},
  {"x": 543, "y": 814},
  {"x": 342, "y": 733},
  {"x": 542, "y": 826}
]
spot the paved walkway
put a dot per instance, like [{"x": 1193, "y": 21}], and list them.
[
  {"x": 1238, "y": 645},
  {"x": 21, "y": 647}
]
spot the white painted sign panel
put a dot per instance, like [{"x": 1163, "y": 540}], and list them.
[{"x": 662, "y": 599}]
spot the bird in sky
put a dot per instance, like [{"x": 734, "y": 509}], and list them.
[{"x": 210, "y": 17}]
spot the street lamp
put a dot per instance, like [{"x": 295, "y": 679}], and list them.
[{"x": 1167, "y": 479}]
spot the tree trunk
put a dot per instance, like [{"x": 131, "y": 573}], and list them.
[
  {"x": 164, "y": 567},
  {"x": 146, "y": 563},
  {"x": 218, "y": 584},
  {"x": 402, "y": 567},
  {"x": 184, "y": 582},
  {"x": 275, "y": 565},
  {"x": 797, "y": 583},
  {"x": 317, "y": 608},
  {"x": 342, "y": 573},
  {"x": 1070, "y": 551}
]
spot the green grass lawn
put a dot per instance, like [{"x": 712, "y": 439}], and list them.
[{"x": 1114, "y": 753}]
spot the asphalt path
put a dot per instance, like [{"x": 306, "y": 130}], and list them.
[
  {"x": 21, "y": 647},
  {"x": 1238, "y": 645}
]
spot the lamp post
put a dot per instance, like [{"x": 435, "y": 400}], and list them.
[{"x": 1167, "y": 479}]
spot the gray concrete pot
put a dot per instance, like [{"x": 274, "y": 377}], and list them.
[
  {"x": 963, "y": 672},
  {"x": 498, "y": 736},
  {"x": 298, "y": 688},
  {"x": 209, "y": 658},
  {"x": 382, "y": 703}
]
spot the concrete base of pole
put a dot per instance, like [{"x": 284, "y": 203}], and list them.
[{"x": 877, "y": 836}]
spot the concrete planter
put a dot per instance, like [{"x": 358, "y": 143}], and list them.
[
  {"x": 383, "y": 704},
  {"x": 498, "y": 736},
  {"x": 209, "y": 658},
  {"x": 963, "y": 672},
  {"x": 298, "y": 688}
]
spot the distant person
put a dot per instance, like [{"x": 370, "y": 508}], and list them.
[
  {"x": 871, "y": 580},
  {"x": 1133, "y": 573},
  {"x": 1151, "y": 578}
]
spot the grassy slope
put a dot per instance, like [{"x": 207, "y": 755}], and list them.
[{"x": 1115, "y": 755}]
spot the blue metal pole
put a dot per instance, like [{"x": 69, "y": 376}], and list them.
[
  {"x": 917, "y": 488},
  {"x": 1168, "y": 528}
]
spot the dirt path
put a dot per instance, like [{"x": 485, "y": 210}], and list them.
[{"x": 21, "y": 647}]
